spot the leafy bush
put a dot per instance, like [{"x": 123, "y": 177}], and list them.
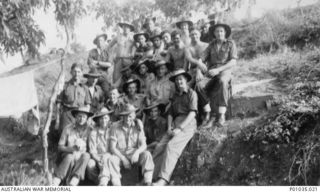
[{"x": 278, "y": 29}]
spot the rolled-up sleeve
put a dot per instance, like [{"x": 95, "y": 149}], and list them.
[{"x": 233, "y": 54}]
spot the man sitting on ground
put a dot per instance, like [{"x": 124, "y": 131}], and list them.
[
  {"x": 128, "y": 143},
  {"x": 73, "y": 146}
]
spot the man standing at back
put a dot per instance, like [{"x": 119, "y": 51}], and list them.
[
  {"x": 74, "y": 95},
  {"x": 99, "y": 58},
  {"x": 124, "y": 49}
]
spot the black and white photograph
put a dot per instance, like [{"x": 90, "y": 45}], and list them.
[{"x": 210, "y": 93}]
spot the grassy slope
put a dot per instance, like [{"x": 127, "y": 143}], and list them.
[{"x": 239, "y": 160}]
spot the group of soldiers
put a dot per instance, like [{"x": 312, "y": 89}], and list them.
[{"x": 143, "y": 106}]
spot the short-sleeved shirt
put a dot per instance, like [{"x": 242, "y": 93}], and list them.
[
  {"x": 161, "y": 90},
  {"x": 97, "y": 98},
  {"x": 75, "y": 95},
  {"x": 127, "y": 138},
  {"x": 183, "y": 103},
  {"x": 216, "y": 58},
  {"x": 116, "y": 108},
  {"x": 155, "y": 129},
  {"x": 71, "y": 134},
  {"x": 145, "y": 82},
  {"x": 99, "y": 140},
  {"x": 177, "y": 57}
]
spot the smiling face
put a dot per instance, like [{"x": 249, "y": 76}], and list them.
[
  {"x": 181, "y": 82},
  {"x": 162, "y": 71},
  {"x": 103, "y": 121},
  {"x": 141, "y": 39},
  {"x": 81, "y": 118},
  {"x": 150, "y": 25},
  {"x": 76, "y": 73},
  {"x": 220, "y": 33},
  {"x": 154, "y": 113},
  {"x": 184, "y": 26},
  {"x": 206, "y": 28},
  {"x": 157, "y": 42},
  {"x": 176, "y": 39},
  {"x": 195, "y": 36},
  {"x": 126, "y": 29},
  {"x": 132, "y": 89},
  {"x": 101, "y": 42},
  {"x": 129, "y": 119},
  {"x": 113, "y": 95},
  {"x": 166, "y": 38},
  {"x": 143, "y": 69}
]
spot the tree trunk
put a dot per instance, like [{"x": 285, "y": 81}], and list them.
[
  {"x": 45, "y": 130},
  {"x": 68, "y": 41}
]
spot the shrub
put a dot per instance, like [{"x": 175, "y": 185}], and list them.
[{"x": 276, "y": 29}]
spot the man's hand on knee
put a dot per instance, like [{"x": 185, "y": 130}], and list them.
[
  {"x": 126, "y": 163},
  {"x": 135, "y": 157}
]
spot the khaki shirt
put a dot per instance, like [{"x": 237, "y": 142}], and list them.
[
  {"x": 217, "y": 57},
  {"x": 97, "y": 98},
  {"x": 99, "y": 55},
  {"x": 183, "y": 103},
  {"x": 75, "y": 95},
  {"x": 127, "y": 138},
  {"x": 99, "y": 140},
  {"x": 70, "y": 135}
]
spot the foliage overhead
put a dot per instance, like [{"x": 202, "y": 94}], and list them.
[
  {"x": 67, "y": 12},
  {"x": 18, "y": 29},
  {"x": 112, "y": 12},
  {"x": 176, "y": 8}
]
